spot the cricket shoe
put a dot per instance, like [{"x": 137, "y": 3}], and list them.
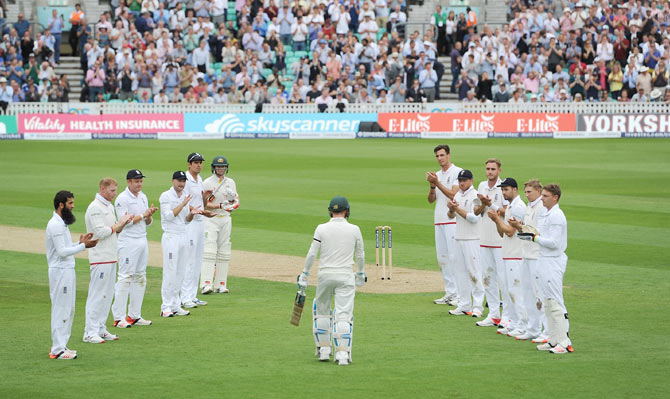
[
  {"x": 167, "y": 314},
  {"x": 525, "y": 337},
  {"x": 342, "y": 358},
  {"x": 108, "y": 336},
  {"x": 199, "y": 302},
  {"x": 447, "y": 299},
  {"x": 477, "y": 313},
  {"x": 94, "y": 339},
  {"x": 181, "y": 312},
  {"x": 460, "y": 312},
  {"x": 515, "y": 333},
  {"x": 487, "y": 322},
  {"x": 545, "y": 347},
  {"x": 189, "y": 305},
  {"x": 206, "y": 290},
  {"x": 221, "y": 290},
  {"x": 324, "y": 354},
  {"x": 67, "y": 354},
  {"x": 122, "y": 324},
  {"x": 503, "y": 331},
  {"x": 138, "y": 322},
  {"x": 560, "y": 350},
  {"x": 542, "y": 339}
]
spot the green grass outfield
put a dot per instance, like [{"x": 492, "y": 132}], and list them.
[{"x": 614, "y": 195}]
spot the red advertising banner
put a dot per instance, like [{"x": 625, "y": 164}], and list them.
[
  {"x": 477, "y": 122},
  {"x": 122, "y": 123}
]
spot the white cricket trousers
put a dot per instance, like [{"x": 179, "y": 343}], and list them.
[
  {"x": 551, "y": 270},
  {"x": 196, "y": 244},
  {"x": 99, "y": 300},
  {"x": 62, "y": 289},
  {"x": 532, "y": 297},
  {"x": 175, "y": 255},
  {"x": 493, "y": 279},
  {"x": 217, "y": 252},
  {"x": 342, "y": 287},
  {"x": 468, "y": 272},
  {"x": 132, "y": 280},
  {"x": 445, "y": 249},
  {"x": 517, "y": 305}
]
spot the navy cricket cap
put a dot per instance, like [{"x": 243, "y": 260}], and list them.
[
  {"x": 134, "y": 174},
  {"x": 509, "y": 182},
  {"x": 179, "y": 175},
  {"x": 194, "y": 156},
  {"x": 465, "y": 174}
]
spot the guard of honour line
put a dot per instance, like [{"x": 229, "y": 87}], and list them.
[{"x": 493, "y": 251}]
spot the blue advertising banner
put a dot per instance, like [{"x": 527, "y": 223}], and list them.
[{"x": 273, "y": 124}]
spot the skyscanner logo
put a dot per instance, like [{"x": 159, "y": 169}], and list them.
[
  {"x": 281, "y": 123},
  {"x": 229, "y": 123}
]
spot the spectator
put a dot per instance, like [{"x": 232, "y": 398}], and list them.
[
  {"x": 503, "y": 95},
  {"x": 299, "y": 32},
  {"x": 95, "y": 78}
]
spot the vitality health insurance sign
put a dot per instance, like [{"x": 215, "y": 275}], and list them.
[
  {"x": 102, "y": 124},
  {"x": 277, "y": 125},
  {"x": 476, "y": 122}
]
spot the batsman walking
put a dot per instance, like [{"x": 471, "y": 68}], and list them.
[
  {"x": 222, "y": 201},
  {"x": 339, "y": 242}
]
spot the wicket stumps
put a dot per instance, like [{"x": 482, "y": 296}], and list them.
[{"x": 387, "y": 242}]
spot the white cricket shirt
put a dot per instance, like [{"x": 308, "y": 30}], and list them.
[
  {"x": 449, "y": 179},
  {"x": 339, "y": 241},
  {"x": 219, "y": 189},
  {"x": 59, "y": 245},
  {"x": 531, "y": 250},
  {"x": 128, "y": 203},
  {"x": 194, "y": 187},
  {"x": 170, "y": 223},
  {"x": 512, "y": 247},
  {"x": 466, "y": 230},
  {"x": 553, "y": 229},
  {"x": 100, "y": 218},
  {"x": 488, "y": 233}
]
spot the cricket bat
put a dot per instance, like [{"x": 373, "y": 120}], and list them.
[{"x": 298, "y": 306}]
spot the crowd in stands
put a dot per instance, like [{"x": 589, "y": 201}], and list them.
[
  {"x": 347, "y": 51},
  {"x": 567, "y": 50}
]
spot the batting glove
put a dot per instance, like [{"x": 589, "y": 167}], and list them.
[
  {"x": 527, "y": 236},
  {"x": 302, "y": 280},
  {"x": 361, "y": 279}
]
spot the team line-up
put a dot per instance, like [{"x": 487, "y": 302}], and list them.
[
  {"x": 196, "y": 222},
  {"x": 491, "y": 247}
]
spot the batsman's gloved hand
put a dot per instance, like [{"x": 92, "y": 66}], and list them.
[
  {"x": 302, "y": 280},
  {"x": 361, "y": 279},
  {"x": 527, "y": 236}
]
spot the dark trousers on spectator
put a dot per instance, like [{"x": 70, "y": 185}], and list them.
[
  {"x": 73, "y": 40},
  {"x": 442, "y": 41},
  {"x": 59, "y": 40},
  {"x": 286, "y": 39},
  {"x": 3, "y": 105},
  {"x": 455, "y": 72},
  {"x": 202, "y": 68},
  {"x": 299, "y": 46},
  {"x": 93, "y": 93},
  {"x": 439, "y": 71}
]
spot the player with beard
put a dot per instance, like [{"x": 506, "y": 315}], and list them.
[{"x": 60, "y": 251}]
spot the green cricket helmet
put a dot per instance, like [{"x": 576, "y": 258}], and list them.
[
  {"x": 219, "y": 160},
  {"x": 339, "y": 204}
]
